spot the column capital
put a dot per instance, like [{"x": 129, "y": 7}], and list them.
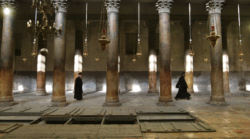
[
  {"x": 163, "y": 6},
  {"x": 152, "y": 24},
  {"x": 9, "y": 4},
  {"x": 214, "y": 6},
  {"x": 224, "y": 25},
  {"x": 61, "y": 5},
  {"x": 79, "y": 25},
  {"x": 112, "y": 5}
]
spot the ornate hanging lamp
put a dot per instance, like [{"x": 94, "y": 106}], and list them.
[
  {"x": 191, "y": 51},
  {"x": 103, "y": 41},
  {"x": 85, "y": 47},
  {"x": 139, "y": 52},
  {"x": 134, "y": 58},
  {"x": 205, "y": 59},
  {"x": 241, "y": 54},
  {"x": 213, "y": 37}
]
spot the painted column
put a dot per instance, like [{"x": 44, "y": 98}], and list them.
[
  {"x": 79, "y": 27},
  {"x": 152, "y": 58},
  {"x": 112, "y": 75},
  {"x": 225, "y": 58},
  {"x": 163, "y": 7},
  {"x": 41, "y": 66},
  {"x": 188, "y": 60},
  {"x": 7, "y": 54},
  {"x": 217, "y": 95},
  {"x": 58, "y": 98}
]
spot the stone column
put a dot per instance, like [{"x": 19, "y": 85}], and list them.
[
  {"x": 112, "y": 75},
  {"x": 188, "y": 60},
  {"x": 7, "y": 54},
  {"x": 225, "y": 58},
  {"x": 152, "y": 58},
  {"x": 163, "y": 7},
  {"x": 58, "y": 98},
  {"x": 79, "y": 27},
  {"x": 217, "y": 95},
  {"x": 41, "y": 66}
]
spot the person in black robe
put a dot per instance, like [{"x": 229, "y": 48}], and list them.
[
  {"x": 78, "y": 87},
  {"x": 182, "y": 85}
]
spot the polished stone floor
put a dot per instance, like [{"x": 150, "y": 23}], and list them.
[{"x": 232, "y": 121}]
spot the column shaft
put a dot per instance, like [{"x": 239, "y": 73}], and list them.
[
  {"x": 58, "y": 98},
  {"x": 7, "y": 59},
  {"x": 217, "y": 94},
  {"x": 165, "y": 58},
  {"x": 112, "y": 76},
  {"x": 78, "y": 53}
]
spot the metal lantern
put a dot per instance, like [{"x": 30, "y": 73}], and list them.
[
  {"x": 103, "y": 41},
  {"x": 85, "y": 53},
  {"x": 34, "y": 53},
  {"x": 213, "y": 37},
  {"x": 96, "y": 58},
  {"x": 24, "y": 59},
  {"x": 205, "y": 59},
  {"x": 241, "y": 54},
  {"x": 191, "y": 53}
]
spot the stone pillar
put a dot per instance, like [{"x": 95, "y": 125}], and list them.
[
  {"x": 225, "y": 58},
  {"x": 41, "y": 66},
  {"x": 7, "y": 54},
  {"x": 163, "y": 7},
  {"x": 188, "y": 60},
  {"x": 79, "y": 27},
  {"x": 58, "y": 98},
  {"x": 152, "y": 58},
  {"x": 112, "y": 75},
  {"x": 217, "y": 95}
]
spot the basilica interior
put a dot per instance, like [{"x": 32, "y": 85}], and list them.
[{"x": 131, "y": 54}]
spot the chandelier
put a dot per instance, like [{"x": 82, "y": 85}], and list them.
[
  {"x": 139, "y": 52},
  {"x": 241, "y": 54},
  {"x": 85, "y": 47},
  {"x": 191, "y": 51},
  {"x": 103, "y": 41},
  {"x": 213, "y": 37},
  {"x": 45, "y": 7}
]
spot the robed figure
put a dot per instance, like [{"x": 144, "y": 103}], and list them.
[
  {"x": 182, "y": 85},
  {"x": 78, "y": 87}
]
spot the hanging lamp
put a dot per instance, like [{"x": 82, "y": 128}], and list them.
[
  {"x": 139, "y": 52},
  {"x": 191, "y": 51},
  {"x": 134, "y": 58},
  {"x": 85, "y": 47},
  {"x": 103, "y": 41},
  {"x": 241, "y": 54}
]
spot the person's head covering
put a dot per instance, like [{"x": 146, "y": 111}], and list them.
[
  {"x": 79, "y": 73},
  {"x": 182, "y": 74}
]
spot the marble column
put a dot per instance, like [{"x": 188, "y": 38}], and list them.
[
  {"x": 41, "y": 66},
  {"x": 225, "y": 58},
  {"x": 79, "y": 27},
  {"x": 163, "y": 7},
  {"x": 112, "y": 74},
  {"x": 152, "y": 58},
  {"x": 217, "y": 95},
  {"x": 58, "y": 97},
  {"x": 188, "y": 60},
  {"x": 7, "y": 54}
]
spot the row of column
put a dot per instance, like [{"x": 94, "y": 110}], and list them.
[{"x": 163, "y": 6}]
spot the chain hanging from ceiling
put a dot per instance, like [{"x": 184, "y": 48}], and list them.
[
  {"x": 103, "y": 41},
  {"x": 241, "y": 55},
  {"x": 85, "y": 47},
  {"x": 191, "y": 50},
  {"x": 45, "y": 7},
  {"x": 139, "y": 52}
]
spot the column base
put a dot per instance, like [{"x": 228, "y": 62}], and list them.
[
  {"x": 153, "y": 92},
  {"x": 41, "y": 92},
  {"x": 191, "y": 91},
  {"x": 7, "y": 104},
  {"x": 165, "y": 104},
  {"x": 111, "y": 103},
  {"x": 165, "y": 99},
  {"x": 219, "y": 101}
]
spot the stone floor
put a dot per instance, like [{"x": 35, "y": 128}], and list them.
[{"x": 232, "y": 121}]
